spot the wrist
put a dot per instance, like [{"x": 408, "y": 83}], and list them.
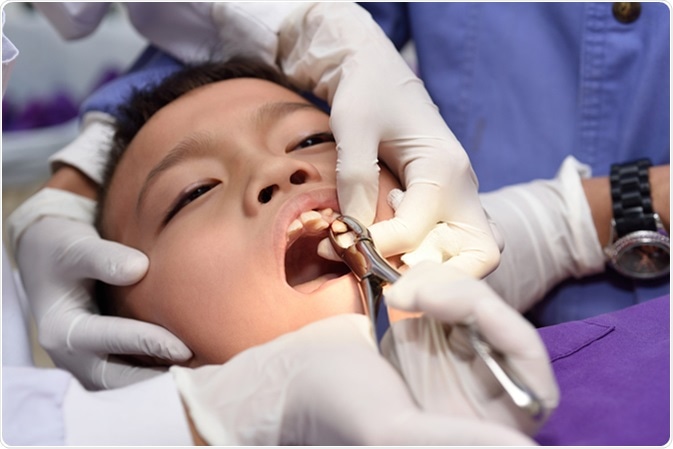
[
  {"x": 48, "y": 202},
  {"x": 661, "y": 192},
  {"x": 639, "y": 245},
  {"x": 597, "y": 192},
  {"x": 70, "y": 179}
]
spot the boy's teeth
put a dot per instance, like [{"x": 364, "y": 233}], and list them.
[
  {"x": 310, "y": 221},
  {"x": 294, "y": 229},
  {"x": 328, "y": 214},
  {"x": 339, "y": 227}
]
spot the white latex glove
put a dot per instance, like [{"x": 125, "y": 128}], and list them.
[
  {"x": 445, "y": 374},
  {"x": 379, "y": 106},
  {"x": 59, "y": 254},
  {"x": 548, "y": 222},
  {"x": 325, "y": 384}
]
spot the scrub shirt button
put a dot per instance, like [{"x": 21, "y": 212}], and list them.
[{"x": 626, "y": 12}]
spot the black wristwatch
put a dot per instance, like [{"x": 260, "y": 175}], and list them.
[{"x": 639, "y": 244}]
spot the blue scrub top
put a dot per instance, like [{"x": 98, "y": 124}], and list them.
[{"x": 523, "y": 85}]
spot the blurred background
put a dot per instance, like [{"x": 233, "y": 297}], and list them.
[{"x": 48, "y": 82}]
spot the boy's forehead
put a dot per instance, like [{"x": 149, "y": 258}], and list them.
[
  {"x": 236, "y": 92},
  {"x": 217, "y": 107},
  {"x": 232, "y": 99}
]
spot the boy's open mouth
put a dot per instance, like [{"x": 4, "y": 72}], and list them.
[{"x": 305, "y": 270}]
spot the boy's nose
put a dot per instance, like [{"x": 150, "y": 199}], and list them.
[
  {"x": 297, "y": 178},
  {"x": 275, "y": 176}
]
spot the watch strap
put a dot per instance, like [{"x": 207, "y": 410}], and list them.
[{"x": 631, "y": 199}]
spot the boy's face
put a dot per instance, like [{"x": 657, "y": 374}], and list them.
[{"x": 210, "y": 189}]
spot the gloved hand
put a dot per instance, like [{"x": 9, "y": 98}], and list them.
[
  {"x": 379, "y": 105},
  {"x": 548, "y": 221},
  {"x": 434, "y": 350},
  {"x": 59, "y": 253},
  {"x": 443, "y": 241},
  {"x": 325, "y": 384}
]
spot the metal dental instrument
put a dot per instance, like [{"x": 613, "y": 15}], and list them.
[{"x": 353, "y": 243}]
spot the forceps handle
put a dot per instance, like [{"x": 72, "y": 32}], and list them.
[
  {"x": 371, "y": 289},
  {"x": 521, "y": 395}
]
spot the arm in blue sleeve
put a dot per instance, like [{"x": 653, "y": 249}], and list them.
[{"x": 392, "y": 17}]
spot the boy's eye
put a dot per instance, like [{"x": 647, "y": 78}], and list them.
[
  {"x": 187, "y": 197},
  {"x": 312, "y": 140}
]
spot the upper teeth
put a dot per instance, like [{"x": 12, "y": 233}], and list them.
[{"x": 310, "y": 221}]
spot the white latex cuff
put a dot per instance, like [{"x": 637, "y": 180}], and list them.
[
  {"x": 90, "y": 149},
  {"x": 549, "y": 235},
  {"x": 48, "y": 202}
]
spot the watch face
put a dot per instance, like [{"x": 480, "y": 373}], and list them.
[
  {"x": 644, "y": 261},
  {"x": 642, "y": 256}
]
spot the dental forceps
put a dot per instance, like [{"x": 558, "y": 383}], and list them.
[{"x": 354, "y": 245}]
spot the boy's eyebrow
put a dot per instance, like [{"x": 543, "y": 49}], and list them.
[{"x": 192, "y": 146}]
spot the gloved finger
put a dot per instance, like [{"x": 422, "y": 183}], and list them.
[
  {"x": 115, "y": 335},
  {"x": 451, "y": 296},
  {"x": 446, "y": 240},
  {"x": 460, "y": 299},
  {"x": 512, "y": 335},
  {"x": 497, "y": 235},
  {"x": 469, "y": 249},
  {"x": 438, "y": 246},
  {"x": 357, "y": 175},
  {"x": 111, "y": 262},
  {"x": 414, "y": 218},
  {"x": 460, "y": 246},
  {"x": 407, "y": 292},
  {"x": 115, "y": 373},
  {"x": 433, "y": 247},
  {"x": 394, "y": 198},
  {"x": 386, "y": 231}
]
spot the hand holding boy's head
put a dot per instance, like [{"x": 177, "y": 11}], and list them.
[{"x": 209, "y": 188}]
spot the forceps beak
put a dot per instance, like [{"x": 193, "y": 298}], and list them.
[{"x": 353, "y": 243}]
